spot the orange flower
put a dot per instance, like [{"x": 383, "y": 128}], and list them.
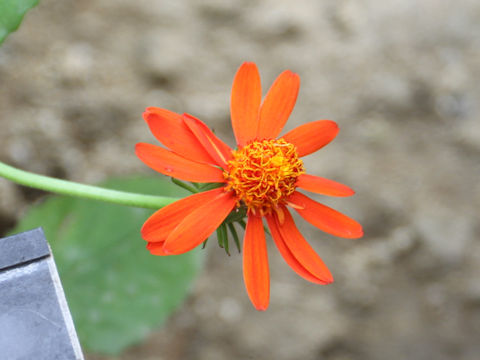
[{"x": 262, "y": 176}]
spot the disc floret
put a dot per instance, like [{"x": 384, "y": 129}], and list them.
[{"x": 263, "y": 173}]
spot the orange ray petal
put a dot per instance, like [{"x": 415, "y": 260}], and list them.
[
  {"x": 245, "y": 102},
  {"x": 169, "y": 128},
  {"x": 312, "y": 136},
  {"x": 162, "y": 222},
  {"x": 171, "y": 164},
  {"x": 255, "y": 263},
  {"x": 287, "y": 254},
  {"x": 156, "y": 249},
  {"x": 325, "y": 218},
  {"x": 215, "y": 147},
  {"x": 323, "y": 186},
  {"x": 199, "y": 224},
  {"x": 278, "y": 105}
]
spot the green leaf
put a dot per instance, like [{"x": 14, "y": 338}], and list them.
[
  {"x": 235, "y": 236},
  {"x": 117, "y": 291},
  {"x": 11, "y": 15}
]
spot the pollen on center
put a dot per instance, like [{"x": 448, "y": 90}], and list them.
[{"x": 263, "y": 173}]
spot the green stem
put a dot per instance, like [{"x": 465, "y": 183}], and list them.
[{"x": 80, "y": 190}]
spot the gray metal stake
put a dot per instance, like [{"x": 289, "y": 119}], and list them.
[{"x": 35, "y": 322}]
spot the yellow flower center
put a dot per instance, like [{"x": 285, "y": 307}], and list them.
[{"x": 263, "y": 173}]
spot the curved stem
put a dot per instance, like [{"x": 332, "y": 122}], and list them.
[{"x": 65, "y": 187}]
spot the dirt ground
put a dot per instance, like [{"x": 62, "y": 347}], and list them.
[{"x": 401, "y": 79}]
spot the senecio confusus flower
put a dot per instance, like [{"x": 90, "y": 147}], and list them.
[{"x": 261, "y": 176}]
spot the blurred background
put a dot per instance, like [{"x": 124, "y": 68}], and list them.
[{"x": 400, "y": 78}]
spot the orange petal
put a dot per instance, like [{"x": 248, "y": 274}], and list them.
[
  {"x": 278, "y": 105},
  {"x": 156, "y": 249},
  {"x": 245, "y": 102},
  {"x": 171, "y": 164},
  {"x": 287, "y": 254},
  {"x": 255, "y": 263},
  {"x": 325, "y": 218},
  {"x": 312, "y": 136},
  {"x": 216, "y": 148},
  {"x": 196, "y": 227},
  {"x": 323, "y": 186},
  {"x": 169, "y": 128},
  {"x": 162, "y": 222}
]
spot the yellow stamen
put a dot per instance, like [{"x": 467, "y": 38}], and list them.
[
  {"x": 294, "y": 206},
  {"x": 263, "y": 173}
]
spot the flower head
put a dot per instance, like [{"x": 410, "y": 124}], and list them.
[{"x": 260, "y": 176}]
